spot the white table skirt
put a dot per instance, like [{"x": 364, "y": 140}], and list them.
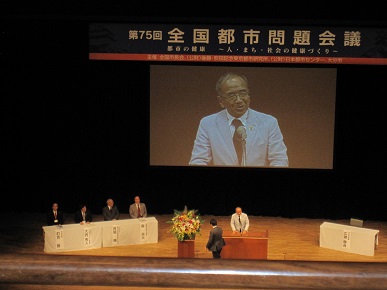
[
  {"x": 348, "y": 238},
  {"x": 95, "y": 235},
  {"x": 137, "y": 231}
]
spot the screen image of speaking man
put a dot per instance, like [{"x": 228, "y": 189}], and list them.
[{"x": 238, "y": 135}]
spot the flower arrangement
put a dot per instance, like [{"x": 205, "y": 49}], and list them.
[{"x": 186, "y": 224}]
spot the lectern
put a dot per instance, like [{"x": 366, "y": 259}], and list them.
[{"x": 250, "y": 246}]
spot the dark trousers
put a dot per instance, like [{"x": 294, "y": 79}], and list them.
[{"x": 216, "y": 254}]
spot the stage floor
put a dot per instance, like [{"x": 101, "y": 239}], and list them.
[{"x": 295, "y": 239}]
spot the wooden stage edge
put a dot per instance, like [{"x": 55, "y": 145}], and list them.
[
  {"x": 164, "y": 273},
  {"x": 295, "y": 261}
]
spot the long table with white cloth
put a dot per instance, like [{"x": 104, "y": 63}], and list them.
[
  {"x": 348, "y": 238},
  {"x": 73, "y": 237}
]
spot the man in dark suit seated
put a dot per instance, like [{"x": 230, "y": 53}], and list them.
[
  {"x": 215, "y": 240},
  {"x": 54, "y": 216},
  {"x": 83, "y": 215},
  {"x": 110, "y": 211}
]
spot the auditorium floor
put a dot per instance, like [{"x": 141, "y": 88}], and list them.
[{"x": 294, "y": 239}]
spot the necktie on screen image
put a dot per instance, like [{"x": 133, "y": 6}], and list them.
[
  {"x": 237, "y": 141},
  {"x": 240, "y": 224},
  {"x": 138, "y": 211}
]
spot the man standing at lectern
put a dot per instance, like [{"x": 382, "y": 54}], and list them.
[
  {"x": 238, "y": 135},
  {"x": 239, "y": 221},
  {"x": 137, "y": 209}
]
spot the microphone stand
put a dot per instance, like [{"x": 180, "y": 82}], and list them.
[
  {"x": 241, "y": 137},
  {"x": 243, "y": 144}
]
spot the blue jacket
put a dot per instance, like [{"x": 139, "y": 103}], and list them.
[{"x": 264, "y": 143}]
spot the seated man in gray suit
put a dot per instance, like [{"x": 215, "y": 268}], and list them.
[{"x": 137, "y": 209}]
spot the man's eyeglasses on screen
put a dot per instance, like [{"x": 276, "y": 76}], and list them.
[{"x": 232, "y": 96}]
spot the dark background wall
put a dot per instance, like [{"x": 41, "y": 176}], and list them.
[{"x": 69, "y": 125}]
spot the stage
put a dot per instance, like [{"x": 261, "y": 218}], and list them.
[{"x": 293, "y": 254}]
